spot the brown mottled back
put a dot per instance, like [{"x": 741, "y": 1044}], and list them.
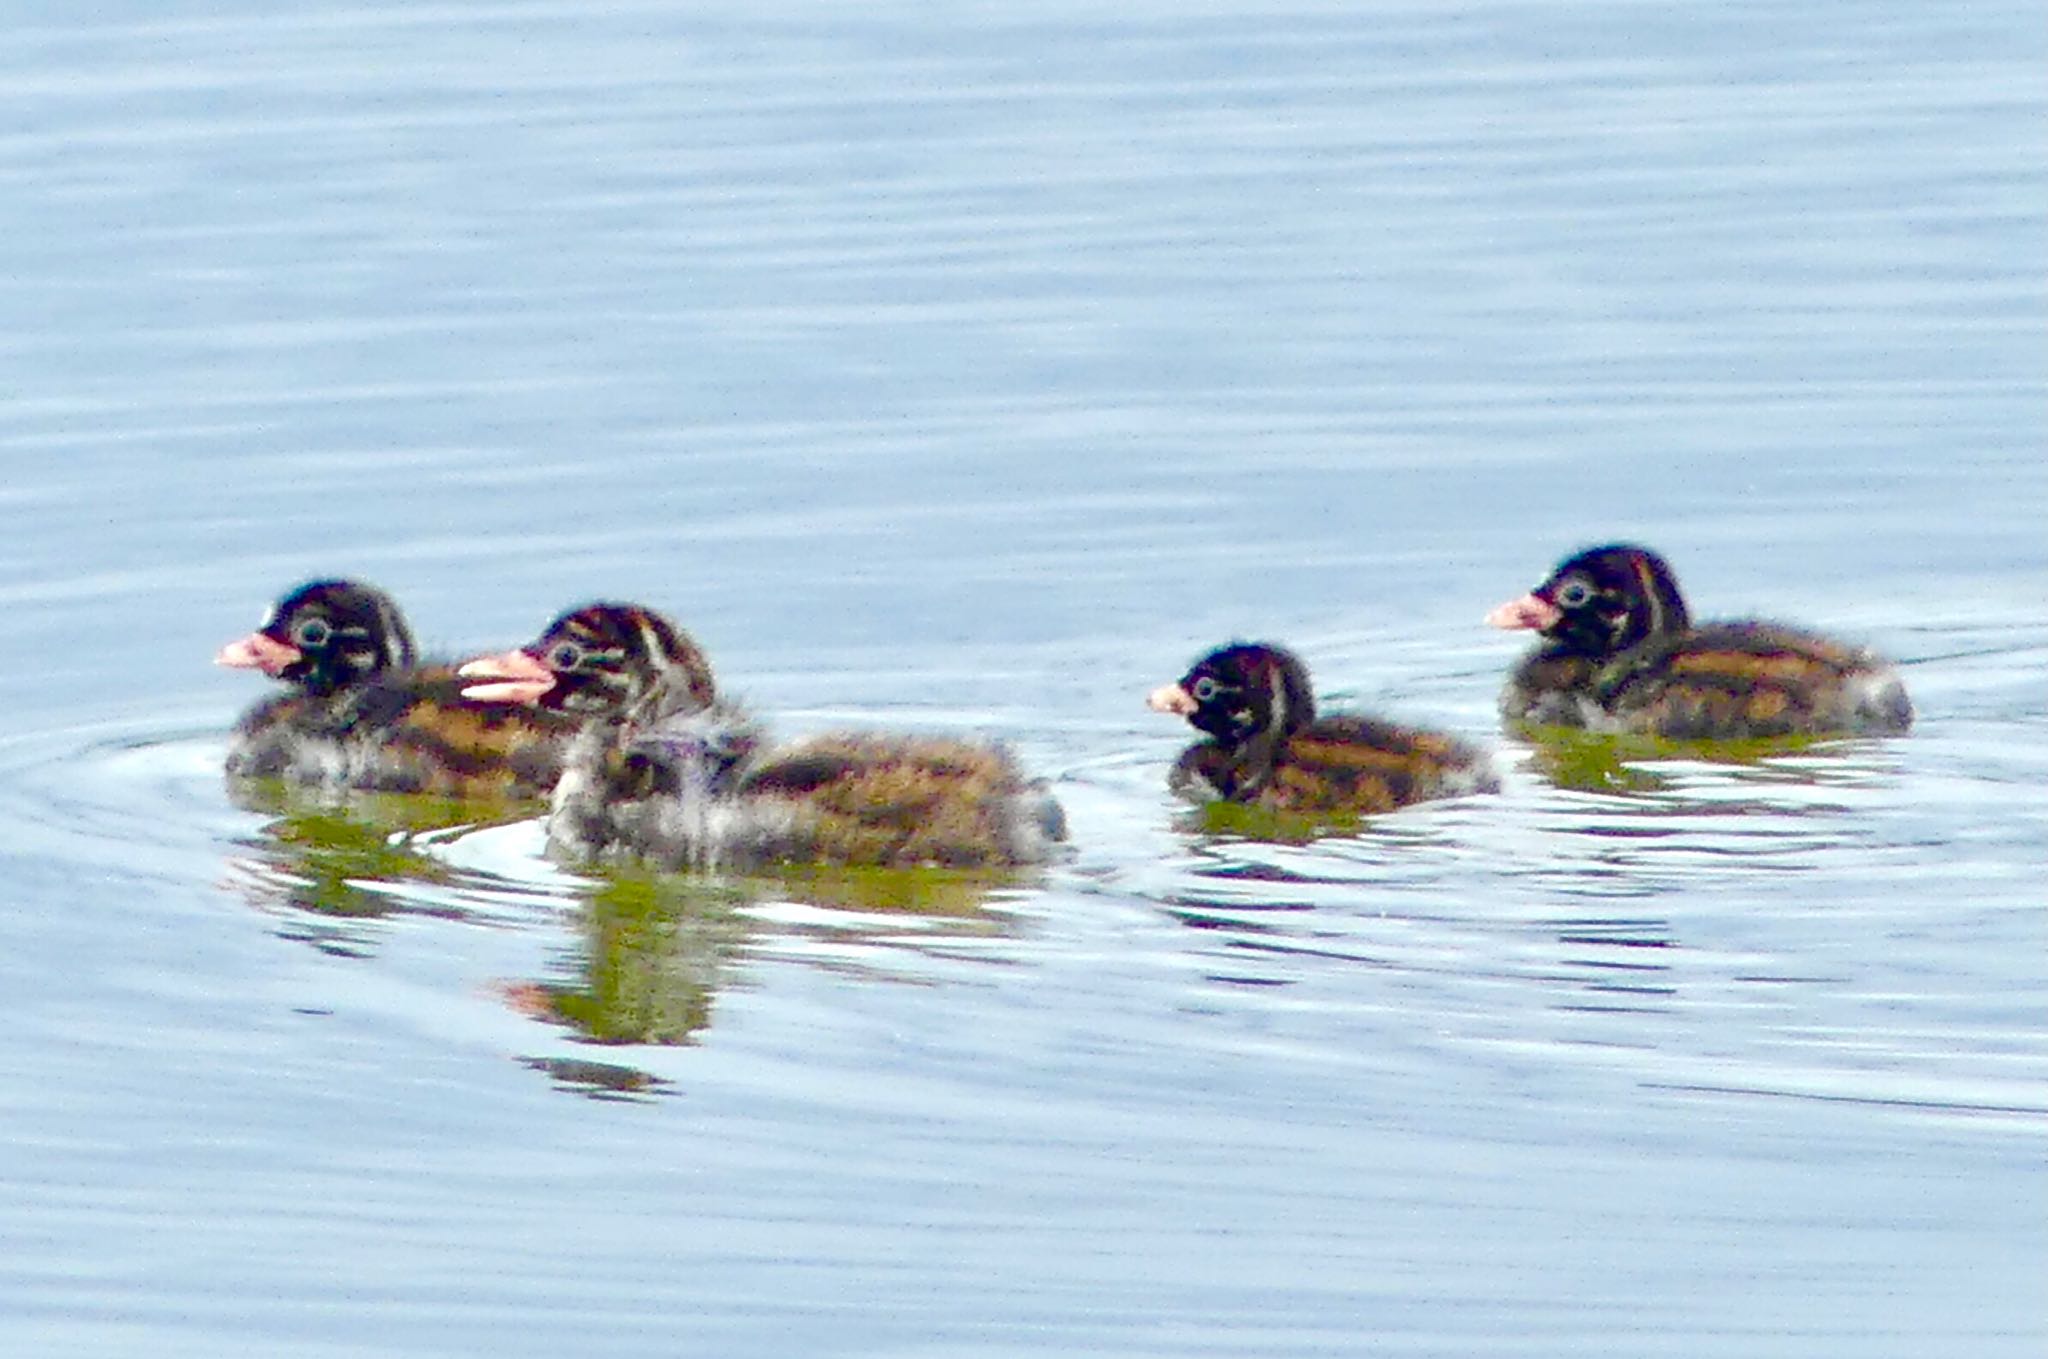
[
  {"x": 361, "y": 714},
  {"x": 1619, "y": 654},
  {"x": 1739, "y": 680},
  {"x": 432, "y": 740},
  {"x": 895, "y": 801},
  {"x": 1267, "y": 749}
]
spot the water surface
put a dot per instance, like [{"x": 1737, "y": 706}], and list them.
[{"x": 973, "y": 371}]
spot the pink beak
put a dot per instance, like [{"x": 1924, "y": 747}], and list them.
[
  {"x": 516, "y": 678},
  {"x": 258, "y": 652},
  {"x": 1530, "y": 611},
  {"x": 1171, "y": 698}
]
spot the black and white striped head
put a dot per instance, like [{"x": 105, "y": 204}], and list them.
[
  {"x": 325, "y": 635},
  {"x": 1242, "y": 691},
  {"x": 599, "y": 660},
  {"x": 1601, "y": 602}
]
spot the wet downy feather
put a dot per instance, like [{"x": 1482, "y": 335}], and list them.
[
  {"x": 1268, "y": 747},
  {"x": 1619, "y": 653},
  {"x": 664, "y": 773},
  {"x": 361, "y": 713}
]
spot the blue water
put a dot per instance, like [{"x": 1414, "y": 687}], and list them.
[{"x": 959, "y": 369}]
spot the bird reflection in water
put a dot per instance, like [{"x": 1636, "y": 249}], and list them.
[
  {"x": 329, "y": 861},
  {"x": 653, "y": 950}
]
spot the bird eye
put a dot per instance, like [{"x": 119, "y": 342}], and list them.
[
  {"x": 310, "y": 633},
  {"x": 1205, "y": 690},
  {"x": 564, "y": 656},
  {"x": 1574, "y": 594}
]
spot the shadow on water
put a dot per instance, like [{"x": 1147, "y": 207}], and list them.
[
  {"x": 650, "y": 956},
  {"x": 607, "y": 1081},
  {"x": 1595, "y": 762},
  {"x": 654, "y": 948},
  {"x": 1632, "y": 817},
  {"x": 1239, "y": 821},
  {"x": 328, "y": 863},
  {"x": 653, "y": 951},
  {"x": 1606, "y": 901},
  {"x": 1579, "y": 892},
  {"x": 650, "y": 951}
]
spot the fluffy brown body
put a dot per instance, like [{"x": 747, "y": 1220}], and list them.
[
  {"x": 406, "y": 733},
  {"x": 360, "y": 713},
  {"x": 897, "y": 801},
  {"x": 1620, "y": 654},
  {"x": 1339, "y": 764},
  {"x": 1726, "y": 681},
  {"x": 662, "y": 773},
  {"x": 1268, "y": 749}
]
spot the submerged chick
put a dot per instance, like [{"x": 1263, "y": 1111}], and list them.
[
  {"x": 1620, "y": 653},
  {"x": 360, "y": 712},
  {"x": 663, "y": 773},
  {"x": 1268, "y": 748}
]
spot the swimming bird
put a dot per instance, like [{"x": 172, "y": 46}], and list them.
[
  {"x": 1620, "y": 653},
  {"x": 664, "y": 773},
  {"x": 360, "y": 711},
  {"x": 1267, "y": 746}
]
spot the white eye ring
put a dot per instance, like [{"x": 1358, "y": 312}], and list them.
[
  {"x": 564, "y": 656},
  {"x": 1574, "y": 594},
  {"x": 311, "y": 632},
  {"x": 1204, "y": 689}
]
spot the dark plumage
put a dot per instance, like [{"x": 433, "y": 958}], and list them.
[
  {"x": 1267, "y": 747},
  {"x": 361, "y": 713},
  {"x": 1620, "y": 653},
  {"x": 663, "y": 773}
]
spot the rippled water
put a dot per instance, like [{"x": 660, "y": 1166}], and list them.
[{"x": 964, "y": 370}]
